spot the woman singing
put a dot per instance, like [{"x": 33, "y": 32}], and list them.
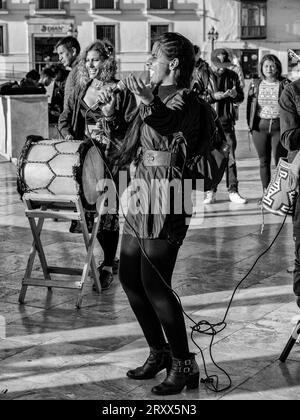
[
  {"x": 159, "y": 141},
  {"x": 82, "y": 117}
]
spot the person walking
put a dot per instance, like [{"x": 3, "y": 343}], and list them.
[
  {"x": 83, "y": 117},
  {"x": 228, "y": 93},
  {"x": 263, "y": 114}
]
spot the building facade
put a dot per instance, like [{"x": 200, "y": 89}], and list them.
[{"x": 29, "y": 29}]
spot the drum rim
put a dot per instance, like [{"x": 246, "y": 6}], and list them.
[
  {"x": 22, "y": 187},
  {"x": 85, "y": 146}
]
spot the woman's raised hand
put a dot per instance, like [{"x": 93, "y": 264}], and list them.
[{"x": 138, "y": 87}]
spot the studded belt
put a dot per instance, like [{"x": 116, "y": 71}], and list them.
[{"x": 158, "y": 158}]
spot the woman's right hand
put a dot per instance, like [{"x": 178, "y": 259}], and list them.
[
  {"x": 69, "y": 137},
  {"x": 106, "y": 100},
  {"x": 218, "y": 96}
]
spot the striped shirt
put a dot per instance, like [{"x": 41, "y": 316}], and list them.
[{"x": 268, "y": 106}]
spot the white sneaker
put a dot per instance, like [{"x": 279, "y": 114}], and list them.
[
  {"x": 210, "y": 197},
  {"x": 235, "y": 197}
]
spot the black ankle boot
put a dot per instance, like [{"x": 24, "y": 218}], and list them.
[
  {"x": 158, "y": 360},
  {"x": 183, "y": 373}
]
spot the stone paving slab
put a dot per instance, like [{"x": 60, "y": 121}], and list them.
[{"x": 53, "y": 351}]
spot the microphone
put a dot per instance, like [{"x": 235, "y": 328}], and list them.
[{"x": 117, "y": 88}]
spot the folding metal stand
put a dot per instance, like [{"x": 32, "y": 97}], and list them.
[
  {"x": 46, "y": 206},
  {"x": 292, "y": 340}
]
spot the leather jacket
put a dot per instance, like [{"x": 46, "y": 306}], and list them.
[{"x": 289, "y": 104}]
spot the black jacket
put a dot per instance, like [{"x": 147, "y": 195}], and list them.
[
  {"x": 225, "y": 107},
  {"x": 289, "y": 104},
  {"x": 72, "y": 122}
]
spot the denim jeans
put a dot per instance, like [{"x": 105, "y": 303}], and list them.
[
  {"x": 266, "y": 139},
  {"x": 231, "y": 172}
]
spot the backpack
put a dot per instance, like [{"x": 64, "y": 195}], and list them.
[
  {"x": 203, "y": 82},
  {"x": 207, "y": 159}
]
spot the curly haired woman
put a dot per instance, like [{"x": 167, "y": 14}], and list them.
[{"x": 82, "y": 117}]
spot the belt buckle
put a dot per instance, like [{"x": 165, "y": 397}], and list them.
[{"x": 149, "y": 157}]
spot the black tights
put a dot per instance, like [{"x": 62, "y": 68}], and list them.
[
  {"x": 154, "y": 304},
  {"x": 109, "y": 243}
]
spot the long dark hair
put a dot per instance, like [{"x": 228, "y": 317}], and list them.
[{"x": 172, "y": 45}]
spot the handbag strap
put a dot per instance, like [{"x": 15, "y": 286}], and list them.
[{"x": 294, "y": 171}]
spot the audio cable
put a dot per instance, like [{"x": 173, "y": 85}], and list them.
[{"x": 204, "y": 327}]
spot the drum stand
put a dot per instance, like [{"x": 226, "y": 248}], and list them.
[
  {"x": 63, "y": 207},
  {"x": 292, "y": 340}
]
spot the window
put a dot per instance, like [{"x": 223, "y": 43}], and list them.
[
  {"x": 2, "y": 4},
  {"x": 1, "y": 40},
  {"x": 104, "y": 4},
  {"x": 156, "y": 31},
  {"x": 254, "y": 19},
  {"x": 159, "y": 4},
  {"x": 107, "y": 32},
  {"x": 48, "y": 4}
]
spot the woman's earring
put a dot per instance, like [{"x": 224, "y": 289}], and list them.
[{"x": 174, "y": 63}]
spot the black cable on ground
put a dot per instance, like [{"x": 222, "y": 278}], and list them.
[{"x": 201, "y": 327}]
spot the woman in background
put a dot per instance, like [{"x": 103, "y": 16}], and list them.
[{"x": 263, "y": 114}]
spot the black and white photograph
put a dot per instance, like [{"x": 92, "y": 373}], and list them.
[{"x": 149, "y": 203}]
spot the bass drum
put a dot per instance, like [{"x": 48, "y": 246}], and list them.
[{"x": 61, "y": 167}]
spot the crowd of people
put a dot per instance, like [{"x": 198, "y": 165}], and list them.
[{"x": 153, "y": 127}]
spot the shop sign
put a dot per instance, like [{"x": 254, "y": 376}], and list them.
[{"x": 55, "y": 28}]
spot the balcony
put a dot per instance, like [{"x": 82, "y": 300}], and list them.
[
  {"x": 253, "y": 32},
  {"x": 49, "y": 7},
  {"x": 160, "y": 6},
  {"x": 106, "y": 7}
]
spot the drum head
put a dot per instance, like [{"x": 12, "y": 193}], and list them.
[{"x": 92, "y": 172}]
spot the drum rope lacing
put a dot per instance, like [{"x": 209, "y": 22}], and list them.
[{"x": 54, "y": 144}]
